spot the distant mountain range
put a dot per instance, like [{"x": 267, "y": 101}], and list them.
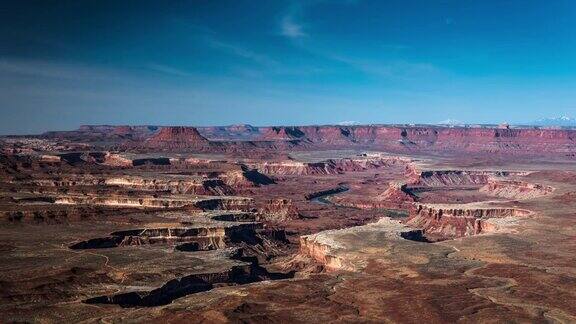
[
  {"x": 562, "y": 121},
  {"x": 556, "y": 121},
  {"x": 451, "y": 122}
]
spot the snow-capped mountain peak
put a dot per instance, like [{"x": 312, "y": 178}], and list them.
[{"x": 556, "y": 121}]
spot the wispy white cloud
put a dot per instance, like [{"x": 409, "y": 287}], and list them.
[
  {"x": 291, "y": 24},
  {"x": 382, "y": 68},
  {"x": 290, "y": 28},
  {"x": 240, "y": 51},
  {"x": 212, "y": 39},
  {"x": 168, "y": 70},
  {"x": 265, "y": 64}
]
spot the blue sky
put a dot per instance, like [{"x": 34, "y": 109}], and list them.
[{"x": 66, "y": 63}]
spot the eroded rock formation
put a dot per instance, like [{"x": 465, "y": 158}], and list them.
[
  {"x": 450, "y": 221},
  {"x": 515, "y": 189},
  {"x": 332, "y": 166},
  {"x": 279, "y": 210},
  {"x": 176, "y": 137},
  {"x": 334, "y": 251},
  {"x": 458, "y": 178}
]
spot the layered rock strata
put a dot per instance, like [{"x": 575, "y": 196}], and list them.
[
  {"x": 450, "y": 221},
  {"x": 336, "y": 250}
]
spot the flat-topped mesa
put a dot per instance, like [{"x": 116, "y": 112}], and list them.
[
  {"x": 226, "y": 203},
  {"x": 210, "y": 237},
  {"x": 104, "y": 133},
  {"x": 294, "y": 168},
  {"x": 242, "y": 128},
  {"x": 346, "y": 249},
  {"x": 396, "y": 196},
  {"x": 230, "y": 133},
  {"x": 245, "y": 178},
  {"x": 446, "y": 139},
  {"x": 107, "y": 158},
  {"x": 219, "y": 185},
  {"x": 282, "y": 133},
  {"x": 331, "y": 135},
  {"x": 331, "y": 166},
  {"x": 175, "y": 185},
  {"x": 393, "y": 138},
  {"x": 177, "y": 137},
  {"x": 456, "y": 178},
  {"x": 515, "y": 189},
  {"x": 124, "y": 201},
  {"x": 170, "y": 202},
  {"x": 450, "y": 221}
]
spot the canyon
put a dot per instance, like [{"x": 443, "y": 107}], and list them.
[{"x": 367, "y": 223}]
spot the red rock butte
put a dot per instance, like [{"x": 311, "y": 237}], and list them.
[{"x": 177, "y": 137}]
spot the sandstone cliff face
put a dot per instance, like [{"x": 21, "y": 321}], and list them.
[
  {"x": 104, "y": 132},
  {"x": 516, "y": 141},
  {"x": 241, "y": 132},
  {"x": 321, "y": 252},
  {"x": 197, "y": 186},
  {"x": 337, "y": 250},
  {"x": 526, "y": 141},
  {"x": 332, "y": 166},
  {"x": 514, "y": 189},
  {"x": 283, "y": 133},
  {"x": 397, "y": 196},
  {"x": 122, "y": 201},
  {"x": 279, "y": 210},
  {"x": 450, "y": 221},
  {"x": 294, "y": 168},
  {"x": 245, "y": 178},
  {"x": 176, "y": 138},
  {"x": 226, "y": 203},
  {"x": 456, "y": 178},
  {"x": 116, "y": 160},
  {"x": 216, "y": 203},
  {"x": 397, "y": 192},
  {"x": 211, "y": 237}
]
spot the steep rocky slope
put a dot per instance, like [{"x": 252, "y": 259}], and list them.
[{"x": 457, "y": 220}]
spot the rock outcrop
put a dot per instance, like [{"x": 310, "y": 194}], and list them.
[
  {"x": 458, "y": 178},
  {"x": 450, "y": 221},
  {"x": 394, "y": 138},
  {"x": 202, "y": 238},
  {"x": 334, "y": 249},
  {"x": 279, "y": 210},
  {"x": 176, "y": 137},
  {"x": 175, "y": 185},
  {"x": 245, "y": 178},
  {"x": 116, "y": 160},
  {"x": 515, "y": 189},
  {"x": 331, "y": 166},
  {"x": 125, "y": 201},
  {"x": 447, "y": 139},
  {"x": 283, "y": 133}
]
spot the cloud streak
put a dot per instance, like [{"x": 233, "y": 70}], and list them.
[
  {"x": 161, "y": 68},
  {"x": 241, "y": 52},
  {"x": 289, "y": 28}
]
